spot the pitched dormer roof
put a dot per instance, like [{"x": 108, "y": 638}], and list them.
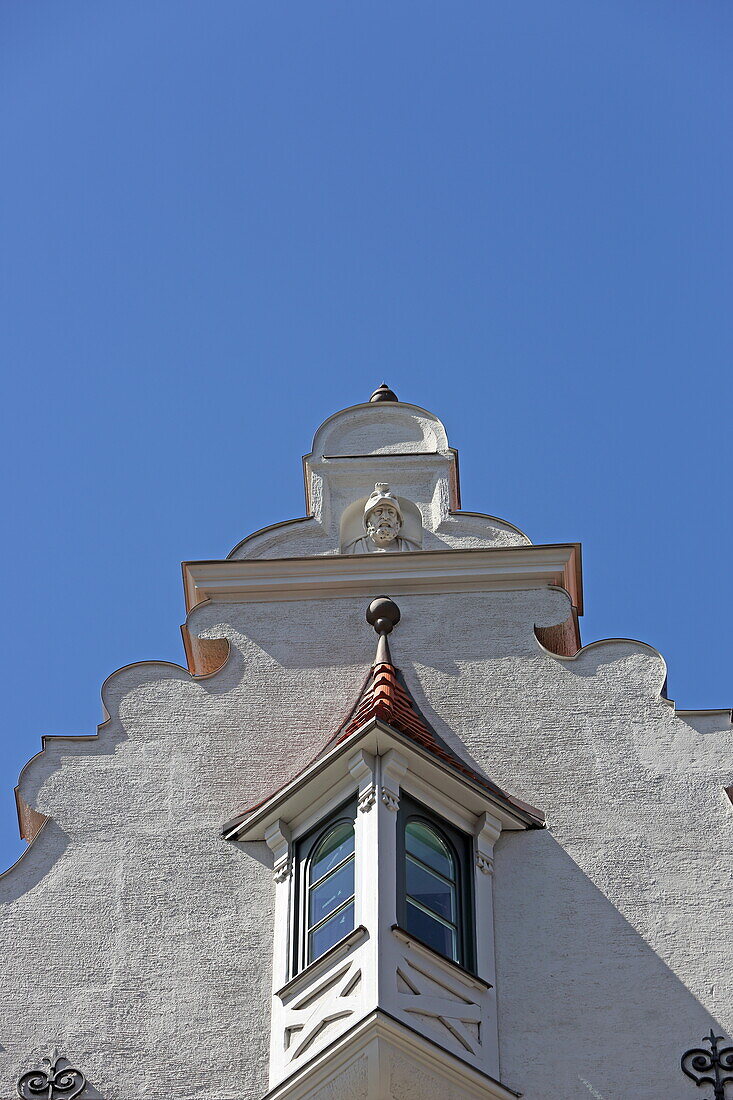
[{"x": 385, "y": 697}]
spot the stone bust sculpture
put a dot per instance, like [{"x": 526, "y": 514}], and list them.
[{"x": 383, "y": 522}]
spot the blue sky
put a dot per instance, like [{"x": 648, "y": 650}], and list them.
[{"x": 220, "y": 222}]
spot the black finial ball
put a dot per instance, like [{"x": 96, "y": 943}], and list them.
[
  {"x": 384, "y": 393},
  {"x": 383, "y": 614}
]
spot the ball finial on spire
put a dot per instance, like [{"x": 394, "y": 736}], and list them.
[
  {"x": 383, "y": 614},
  {"x": 384, "y": 393}
]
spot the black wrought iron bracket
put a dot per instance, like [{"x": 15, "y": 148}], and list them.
[
  {"x": 52, "y": 1081},
  {"x": 710, "y": 1067}
]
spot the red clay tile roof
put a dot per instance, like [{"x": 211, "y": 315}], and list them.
[{"x": 385, "y": 696}]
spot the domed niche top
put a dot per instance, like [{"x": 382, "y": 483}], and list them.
[
  {"x": 380, "y": 428},
  {"x": 385, "y": 443}
]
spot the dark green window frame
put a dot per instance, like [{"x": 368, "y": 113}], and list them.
[
  {"x": 320, "y": 919},
  {"x": 446, "y": 914}
]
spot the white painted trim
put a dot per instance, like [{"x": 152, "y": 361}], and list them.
[
  {"x": 336, "y": 795},
  {"x": 448, "y": 808},
  {"x": 253, "y": 580},
  {"x": 457, "y": 973},
  {"x": 300, "y": 799},
  {"x": 377, "y": 1037},
  {"x": 379, "y": 966},
  {"x": 316, "y": 970}
]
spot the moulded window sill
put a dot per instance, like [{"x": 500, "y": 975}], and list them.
[{"x": 323, "y": 961}]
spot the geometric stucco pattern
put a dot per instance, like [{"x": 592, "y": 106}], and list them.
[
  {"x": 434, "y": 1000},
  {"x": 313, "y": 1014}
]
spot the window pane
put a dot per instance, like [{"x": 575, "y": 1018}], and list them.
[
  {"x": 424, "y": 842},
  {"x": 431, "y": 931},
  {"x": 331, "y": 931},
  {"x": 331, "y": 892},
  {"x": 332, "y": 850},
  {"x": 431, "y": 891}
]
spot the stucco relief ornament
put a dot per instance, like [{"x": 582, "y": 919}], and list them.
[
  {"x": 53, "y": 1081},
  {"x": 383, "y": 522}
]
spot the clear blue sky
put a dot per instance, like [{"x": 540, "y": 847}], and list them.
[{"x": 220, "y": 222}]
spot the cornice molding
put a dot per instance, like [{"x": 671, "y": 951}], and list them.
[{"x": 264, "y": 580}]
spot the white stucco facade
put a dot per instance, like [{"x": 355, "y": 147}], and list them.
[{"x": 140, "y": 942}]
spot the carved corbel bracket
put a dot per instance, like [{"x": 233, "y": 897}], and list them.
[
  {"x": 486, "y": 833},
  {"x": 278, "y": 840},
  {"x": 362, "y": 768},
  {"x": 394, "y": 767}
]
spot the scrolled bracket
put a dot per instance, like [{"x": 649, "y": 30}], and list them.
[
  {"x": 710, "y": 1067},
  {"x": 52, "y": 1081}
]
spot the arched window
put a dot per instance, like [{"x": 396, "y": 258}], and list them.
[
  {"x": 435, "y": 889},
  {"x": 430, "y": 889},
  {"x": 329, "y": 901}
]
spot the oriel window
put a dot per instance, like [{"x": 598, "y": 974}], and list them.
[
  {"x": 435, "y": 896},
  {"x": 326, "y": 887}
]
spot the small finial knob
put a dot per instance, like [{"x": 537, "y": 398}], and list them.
[
  {"x": 384, "y": 393},
  {"x": 383, "y": 614}
]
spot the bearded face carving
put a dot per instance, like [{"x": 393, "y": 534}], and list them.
[{"x": 383, "y": 523}]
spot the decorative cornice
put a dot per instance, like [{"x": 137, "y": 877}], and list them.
[{"x": 250, "y": 580}]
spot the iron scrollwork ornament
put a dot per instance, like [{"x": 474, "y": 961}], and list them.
[
  {"x": 52, "y": 1081},
  {"x": 710, "y": 1067}
]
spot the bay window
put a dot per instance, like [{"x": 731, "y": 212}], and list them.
[
  {"x": 435, "y": 898},
  {"x": 325, "y": 887}
]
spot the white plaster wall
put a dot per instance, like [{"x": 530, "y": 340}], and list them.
[
  {"x": 448, "y": 531},
  {"x": 381, "y": 428},
  {"x": 139, "y": 942},
  {"x": 400, "y": 444}
]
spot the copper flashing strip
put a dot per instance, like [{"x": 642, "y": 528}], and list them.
[
  {"x": 562, "y": 639},
  {"x": 204, "y": 656},
  {"x": 30, "y": 821}
]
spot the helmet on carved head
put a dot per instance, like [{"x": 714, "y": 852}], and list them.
[{"x": 382, "y": 495}]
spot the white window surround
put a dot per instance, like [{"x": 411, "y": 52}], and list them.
[{"x": 379, "y": 968}]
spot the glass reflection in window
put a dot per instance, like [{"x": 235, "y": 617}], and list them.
[
  {"x": 431, "y": 889},
  {"x": 330, "y": 902}
]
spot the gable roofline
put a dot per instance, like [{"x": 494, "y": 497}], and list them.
[{"x": 377, "y": 737}]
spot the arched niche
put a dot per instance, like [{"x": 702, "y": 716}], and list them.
[{"x": 352, "y": 522}]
